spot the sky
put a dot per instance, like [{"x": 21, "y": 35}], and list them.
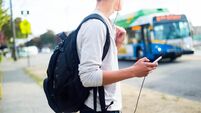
[{"x": 65, "y": 15}]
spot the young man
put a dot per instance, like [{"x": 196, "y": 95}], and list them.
[{"x": 90, "y": 42}]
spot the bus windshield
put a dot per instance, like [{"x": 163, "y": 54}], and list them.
[{"x": 171, "y": 30}]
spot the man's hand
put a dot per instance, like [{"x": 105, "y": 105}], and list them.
[
  {"x": 120, "y": 36},
  {"x": 143, "y": 67}
]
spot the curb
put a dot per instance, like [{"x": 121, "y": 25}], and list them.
[{"x": 37, "y": 79}]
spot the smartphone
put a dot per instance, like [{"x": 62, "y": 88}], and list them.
[{"x": 159, "y": 58}]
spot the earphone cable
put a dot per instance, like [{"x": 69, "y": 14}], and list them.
[{"x": 139, "y": 95}]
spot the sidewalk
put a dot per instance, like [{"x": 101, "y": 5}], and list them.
[{"x": 20, "y": 93}]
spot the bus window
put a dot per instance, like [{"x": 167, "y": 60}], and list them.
[
  {"x": 133, "y": 36},
  {"x": 171, "y": 30},
  {"x": 138, "y": 36},
  {"x": 147, "y": 38},
  {"x": 159, "y": 32},
  {"x": 184, "y": 29}
]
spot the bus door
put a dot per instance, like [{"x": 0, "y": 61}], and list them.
[{"x": 146, "y": 43}]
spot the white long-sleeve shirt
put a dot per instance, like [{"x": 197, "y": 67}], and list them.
[{"x": 90, "y": 42}]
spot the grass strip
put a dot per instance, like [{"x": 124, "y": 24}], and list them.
[{"x": 34, "y": 76}]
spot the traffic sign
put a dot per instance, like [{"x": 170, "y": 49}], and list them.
[{"x": 25, "y": 27}]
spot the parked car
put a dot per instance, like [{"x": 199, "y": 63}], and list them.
[
  {"x": 25, "y": 51},
  {"x": 45, "y": 50}
]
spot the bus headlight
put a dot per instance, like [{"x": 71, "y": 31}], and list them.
[
  {"x": 187, "y": 46},
  {"x": 159, "y": 49}
]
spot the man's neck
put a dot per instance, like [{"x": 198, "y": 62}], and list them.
[{"x": 106, "y": 11}]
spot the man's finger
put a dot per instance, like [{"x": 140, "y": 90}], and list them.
[
  {"x": 149, "y": 64},
  {"x": 145, "y": 59}
]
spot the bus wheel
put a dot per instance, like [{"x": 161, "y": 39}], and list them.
[{"x": 140, "y": 53}]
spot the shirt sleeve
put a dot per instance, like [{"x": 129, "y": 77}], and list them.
[{"x": 91, "y": 39}]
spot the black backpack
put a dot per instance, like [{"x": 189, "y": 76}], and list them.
[{"x": 63, "y": 88}]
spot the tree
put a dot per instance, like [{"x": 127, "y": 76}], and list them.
[
  {"x": 19, "y": 34},
  {"x": 35, "y": 41},
  {"x": 4, "y": 17},
  {"x": 5, "y": 24},
  {"x": 48, "y": 39},
  {"x": 7, "y": 29}
]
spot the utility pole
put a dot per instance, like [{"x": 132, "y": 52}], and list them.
[
  {"x": 14, "y": 32},
  {"x": 25, "y": 13}
]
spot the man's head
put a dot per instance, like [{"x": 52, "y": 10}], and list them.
[{"x": 109, "y": 6}]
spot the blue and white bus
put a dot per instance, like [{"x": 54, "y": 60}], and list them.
[{"x": 153, "y": 33}]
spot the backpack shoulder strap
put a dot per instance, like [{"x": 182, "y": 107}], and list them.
[{"x": 107, "y": 42}]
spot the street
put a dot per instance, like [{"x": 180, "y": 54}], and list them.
[{"x": 181, "y": 78}]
